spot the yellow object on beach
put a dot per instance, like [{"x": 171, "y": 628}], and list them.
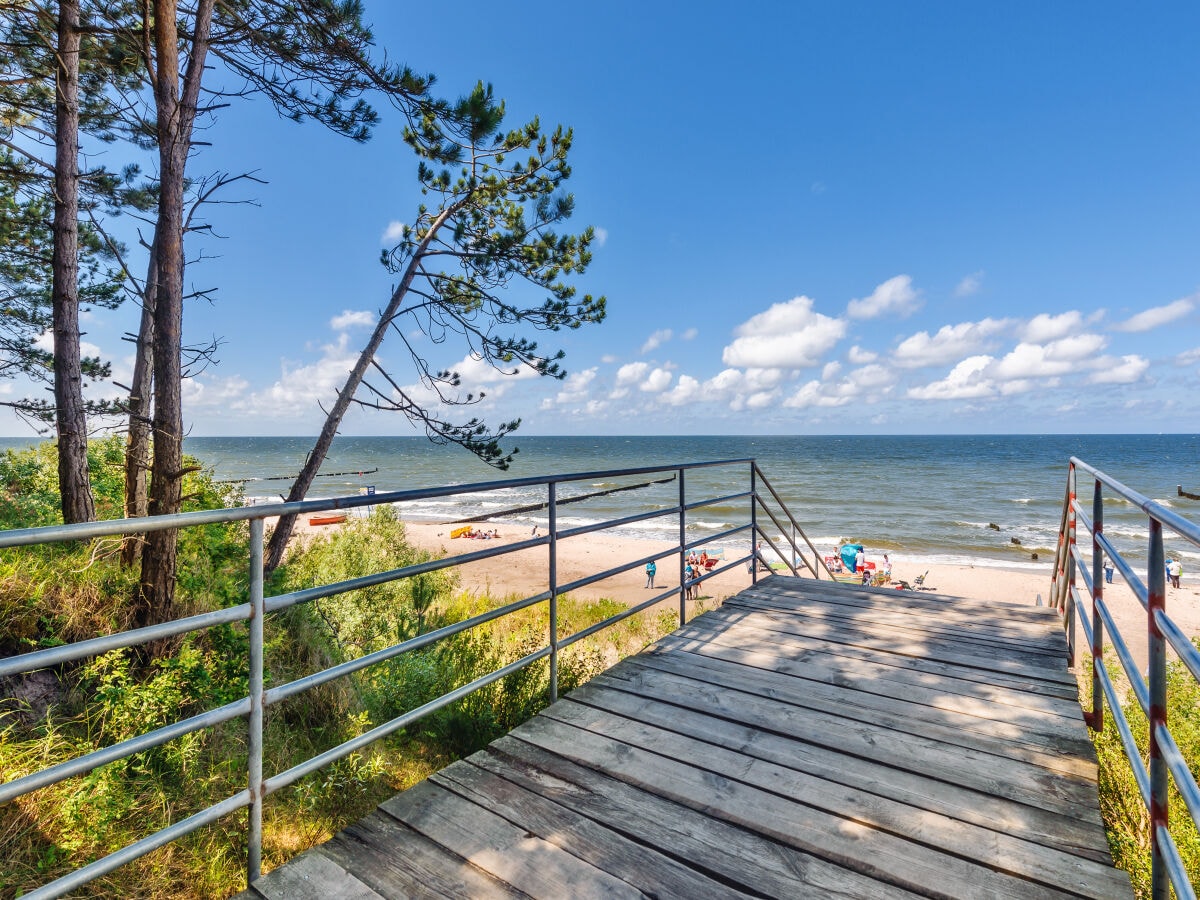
[{"x": 459, "y": 532}]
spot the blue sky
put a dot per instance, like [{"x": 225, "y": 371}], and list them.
[{"x": 816, "y": 218}]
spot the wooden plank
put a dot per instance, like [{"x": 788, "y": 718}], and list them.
[
  {"x": 741, "y": 669},
  {"x": 992, "y": 848},
  {"x": 990, "y": 771},
  {"x": 712, "y": 626},
  {"x": 844, "y": 840},
  {"x": 735, "y": 855},
  {"x": 1014, "y": 662},
  {"x": 495, "y": 845},
  {"x": 876, "y": 809},
  {"x": 649, "y": 870},
  {"x": 1001, "y": 636},
  {"x": 792, "y": 640},
  {"x": 1057, "y": 727},
  {"x": 753, "y": 734},
  {"x": 311, "y": 876},
  {"x": 399, "y": 862},
  {"x": 924, "y": 600}
]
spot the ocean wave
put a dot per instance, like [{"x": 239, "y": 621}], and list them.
[{"x": 1023, "y": 500}]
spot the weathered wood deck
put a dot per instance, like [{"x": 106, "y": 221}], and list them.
[{"x": 806, "y": 740}]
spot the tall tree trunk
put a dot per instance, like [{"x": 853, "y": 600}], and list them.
[
  {"x": 333, "y": 420},
  {"x": 70, "y": 417},
  {"x": 137, "y": 444},
  {"x": 176, "y": 110}
]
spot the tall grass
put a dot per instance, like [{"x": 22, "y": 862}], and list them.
[
  {"x": 64, "y": 593},
  {"x": 1126, "y": 819}
]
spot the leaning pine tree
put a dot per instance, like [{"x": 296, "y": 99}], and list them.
[{"x": 457, "y": 263}]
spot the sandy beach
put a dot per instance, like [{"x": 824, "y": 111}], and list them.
[{"x": 524, "y": 573}]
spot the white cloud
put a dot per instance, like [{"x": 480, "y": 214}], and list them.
[
  {"x": 1158, "y": 316},
  {"x": 950, "y": 343},
  {"x": 575, "y": 388},
  {"x": 969, "y": 285},
  {"x": 1127, "y": 370},
  {"x": 787, "y": 335},
  {"x": 352, "y": 319},
  {"x": 688, "y": 335},
  {"x": 656, "y": 381},
  {"x": 393, "y": 232},
  {"x": 601, "y": 236},
  {"x": 831, "y": 369},
  {"x": 608, "y": 359},
  {"x": 657, "y": 339},
  {"x": 761, "y": 399},
  {"x": 813, "y": 394},
  {"x": 859, "y": 357},
  {"x": 204, "y": 393},
  {"x": 631, "y": 373},
  {"x": 896, "y": 295},
  {"x": 1188, "y": 357},
  {"x": 966, "y": 380},
  {"x": 686, "y": 390},
  {"x": 1045, "y": 327},
  {"x": 1048, "y": 360}
]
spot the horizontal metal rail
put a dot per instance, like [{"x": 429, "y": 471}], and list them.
[
  {"x": 262, "y": 697},
  {"x": 1166, "y": 763}
]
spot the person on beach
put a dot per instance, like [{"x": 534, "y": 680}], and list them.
[
  {"x": 651, "y": 569},
  {"x": 887, "y": 566},
  {"x": 1108, "y": 571},
  {"x": 688, "y": 574},
  {"x": 860, "y": 560},
  {"x": 1175, "y": 568}
]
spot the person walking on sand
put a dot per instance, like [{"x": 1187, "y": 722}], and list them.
[
  {"x": 1108, "y": 570},
  {"x": 651, "y": 569},
  {"x": 1176, "y": 569}
]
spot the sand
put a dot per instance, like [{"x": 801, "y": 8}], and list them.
[{"x": 525, "y": 573}]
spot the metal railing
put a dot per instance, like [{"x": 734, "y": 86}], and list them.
[
  {"x": 259, "y": 786},
  {"x": 1166, "y": 762}
]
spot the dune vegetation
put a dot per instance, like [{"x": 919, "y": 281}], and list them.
[{"x": 66, "y": 592}]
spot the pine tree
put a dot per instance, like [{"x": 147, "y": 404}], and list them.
[{"x": 459, "y": 265}]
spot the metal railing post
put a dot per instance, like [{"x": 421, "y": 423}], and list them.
[
  {"x": 753, "y": 526},
  {"x": 1156, "y": 595},
  {"x": 682, "y": 561},
  {"x": 552, "y": 505},
  {"x": 1068, "y": 594},
  {"x": 1095, "y": 719},
  {"x": 254, "y": 838}
]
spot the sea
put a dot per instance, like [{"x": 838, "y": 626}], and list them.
[{"x": 962, "y": 499}]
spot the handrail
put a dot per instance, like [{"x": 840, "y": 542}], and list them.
[
  {"x": 260, "y": 785},
  {"x": 1166, "y": 763}
]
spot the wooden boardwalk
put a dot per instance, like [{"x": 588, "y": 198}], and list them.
[{"x": 808, "y": 739}]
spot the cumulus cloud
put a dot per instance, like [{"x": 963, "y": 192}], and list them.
[
  {"x": 656, "y": 382},
  {"x": 393, "y": 232},
  {"x": 787, "y": 335},
  {"x": 352, "y": 319},
  {"x": 1045, "y": 327},
  {"x": 687, "y": 390},
  {"x": 1158, "y": 316},
  {"x": 866, "y": 384},
  {"x": 657, "y": 339},
  {"x": 896, "y": 296},
  {"x": 1188, "y": 357},
  {"x": 969, "y": 285},
  {"x": 575, "y": 388},
  {"x": 1125, "y": 370},
  {"x": 858, "y": 356},
  {"x": 966, "y": 380},
  {"x": 627, "y": 376},
  {"x": 950, "y": 343},
  {"x": 1047, "y": 360}
]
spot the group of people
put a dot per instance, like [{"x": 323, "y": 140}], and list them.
[
  {"x": 481, "y": 535},
  {"x": 695, "y": 566},
  {"x": 1174, "y": 571}
]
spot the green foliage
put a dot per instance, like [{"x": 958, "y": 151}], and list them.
[
  {"x": 71, "y": 592},
  {"x": 1125, "y": 816}
]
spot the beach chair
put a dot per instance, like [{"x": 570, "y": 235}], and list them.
[{"x": 919, "y": 583}]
